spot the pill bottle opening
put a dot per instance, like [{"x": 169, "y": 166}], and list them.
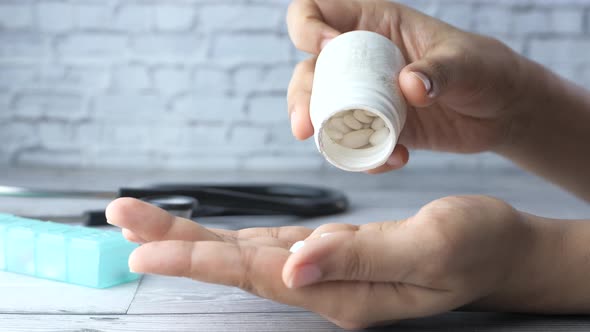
[{"x": 341, "y": 153}]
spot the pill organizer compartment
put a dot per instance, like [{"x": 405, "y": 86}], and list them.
[
  {"x": 4, "y": 223},
  {"x": 72, "y": 254},
  {"x": 99, "y": 259}
]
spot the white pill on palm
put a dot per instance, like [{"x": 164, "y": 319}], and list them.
[
  {"x": 360, "y": 116},
  {"x": 296, "y": 246},
  {"x": 379, "y": 136},
  {"x": 357, "y": 139},
  {"x": 352, "y": 123},
  {"x": 378, "y": 124}
]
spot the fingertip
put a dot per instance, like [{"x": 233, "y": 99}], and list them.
[
  {"x": 163, "y": 257},
  {"x": 135, "y": 262},
  {"x": 402, "y": 153},
  {"x": 398, "y": 159},
  {"x": 306, "y": 266},
  {"x": 304, "y": 276},
  {"x": 289, "y": 266},
  {"x": 118, "y": 209},
  {"x": 416, "y": 87},
  {"x": 301, "y": 126}
]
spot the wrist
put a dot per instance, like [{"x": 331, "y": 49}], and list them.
[
  {"x": 531, "y": 273},
  {"x": 549, "y": 274},
  {"x": 535, "y": 95},
  {"x": 548, "y": 127}
]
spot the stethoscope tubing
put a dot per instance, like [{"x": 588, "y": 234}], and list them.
[
  {"x": 288, "y": 199},
  {"x": 24, "y": 192}
]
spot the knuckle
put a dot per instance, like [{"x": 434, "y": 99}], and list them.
[
  {"x": 299, "y": 68},
  {"x": 437, "y": 236},
  {"x": 274, "y": 232},
  {"x": 247, "y": 257},
  {"x": 445, "y": 235},
  {"x": 440, "y": 72},
  {"x": 353, "y": 261},
  {"x": 252, "y": 279}
]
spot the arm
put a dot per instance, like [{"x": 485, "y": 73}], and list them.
[
  {"x": 552, "y": 277},
  {"x": 552, "y": 138}
]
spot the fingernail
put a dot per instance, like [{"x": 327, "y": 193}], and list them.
[
  {"x": 394, "y": 161},
  {"x": 326, "y": 234},
  {"x": 296, "y": 246},
  {"x": 325, "y": 42},
  {"x": 426, "y": 82},
  {"x": 305, "y": 275}
]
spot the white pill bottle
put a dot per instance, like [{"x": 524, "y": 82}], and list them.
[{"x": 357, "y": 70}]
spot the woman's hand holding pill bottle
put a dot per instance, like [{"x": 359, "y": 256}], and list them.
[
  {"x": 464, "y": 90},
  {"x": 466, "y": 93}
]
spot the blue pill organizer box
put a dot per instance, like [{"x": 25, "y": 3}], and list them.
[{"x": 72, "y": 254}]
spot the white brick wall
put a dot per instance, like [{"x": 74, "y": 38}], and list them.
[
  {"x": 131, "y": 17},
  {"x": 174, "y": 18},
  {"x": 16, "y": 16},
  {"x": 55, "y": 16},
  {"x": 98, "y": 45},
  {"x": 173, "y": 79},
  {"x": 197, "y": 84},
  {"x": 237, "y": 47},
  {"x": 239, "y": 18},
  {"x": 93, "y": 15}
]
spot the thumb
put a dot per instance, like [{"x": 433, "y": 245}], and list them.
[
  {"x": 363, "y": 255},
  {"x": 444, "y": 72}
]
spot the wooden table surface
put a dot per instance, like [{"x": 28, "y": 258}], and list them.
[{"x": 158, "y": 303}]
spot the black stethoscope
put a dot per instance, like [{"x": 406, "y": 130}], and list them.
[{"x": 190, "y": 201}]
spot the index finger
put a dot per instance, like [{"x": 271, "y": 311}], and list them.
[
  {"x": 307, "y": 27},
  {"x": 143, "y": 222},
  {"x": 146, "y": 222}
]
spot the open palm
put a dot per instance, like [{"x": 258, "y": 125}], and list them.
[{"x": 357, "y": 276}]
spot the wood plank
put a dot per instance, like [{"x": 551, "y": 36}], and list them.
[
  {"x": 160, "y": 295},
  {"x": 23, "y": 294},
  {"x": 288, "y": 321}
]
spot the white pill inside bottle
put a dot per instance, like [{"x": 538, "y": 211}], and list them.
[{"x": 358, "y": 70}]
